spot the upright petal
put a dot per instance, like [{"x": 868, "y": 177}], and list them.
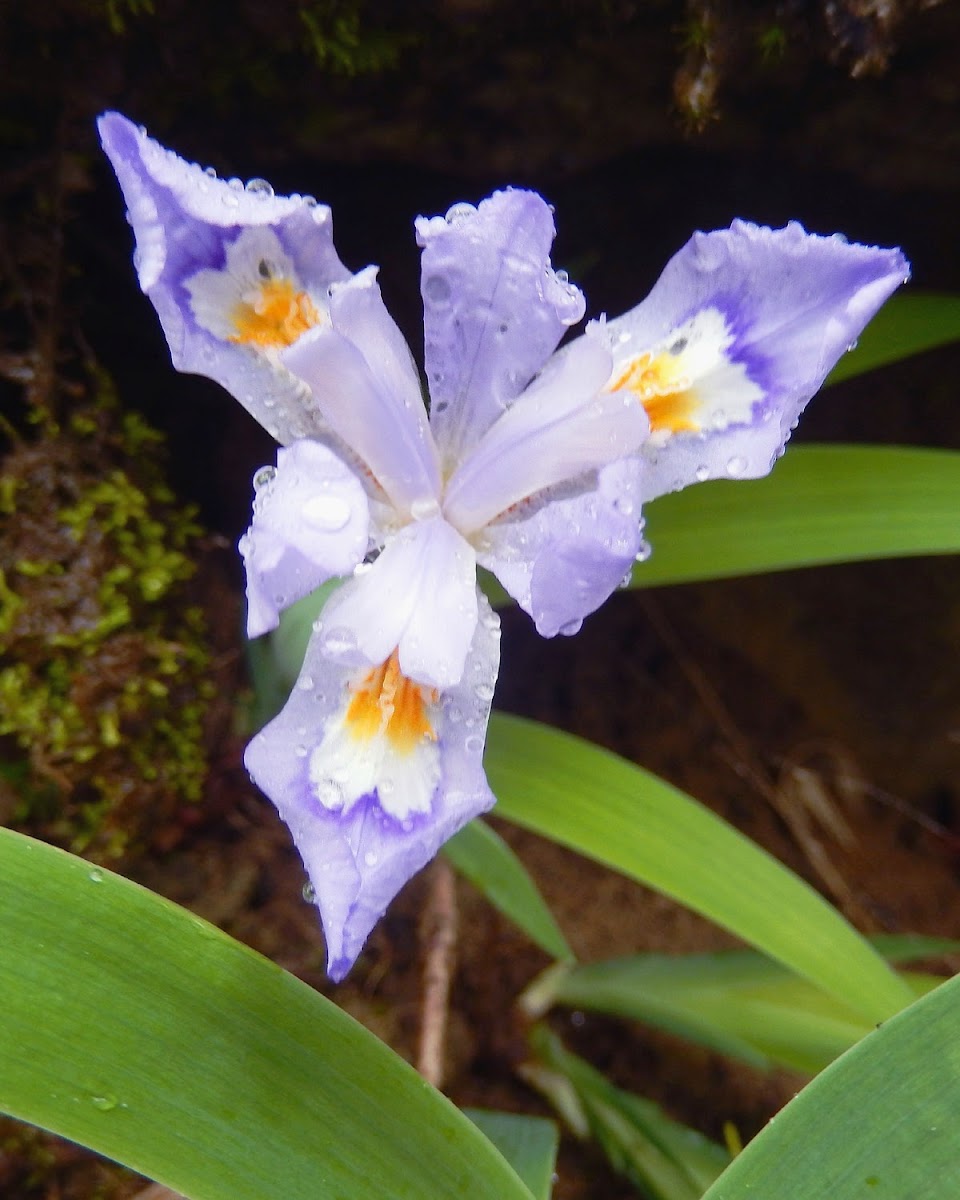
[
  {"x": 494, "y": 311},
  {"x": 562, "y": 427},
  {"x": 419, "y": 596},
  {"x": 235, "y": 273},
  {"x": 362, "y": 379},
  {"x": 373, "y": 774},
  {"x": 310, "y": 523},
  {"x": 562, "y": 553},
  {"x": 739, "y": 332}
]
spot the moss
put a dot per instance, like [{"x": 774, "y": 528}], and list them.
[{"x": 104, "y": 667}]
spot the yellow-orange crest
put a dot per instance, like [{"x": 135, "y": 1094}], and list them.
[
  {"x": 274, "y": 314},
  {"x": 660, "y": 385},
  {"x": 386, "y": 703}
]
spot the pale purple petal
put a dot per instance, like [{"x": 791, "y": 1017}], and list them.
[
  {"x": 194, "y": 234},
  {"x": 560, "y": 428},
  {"x": 367, "y": 394},
  {"x": 751, "y": 320},
  {"x": 494, "y": 311},
  {"x": 561, "y": 554},
  {"x": 418, "y": 596},
  {"x": 310, "y": 523},
  {"x": 359, "y": 855}
]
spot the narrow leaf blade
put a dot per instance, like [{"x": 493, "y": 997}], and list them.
[
  {"x": 597, "y": 803},
  {"x": 482, "y": 856},
  {"x": 529, "y": 1144},
  {"x": 907, "y": 324}
]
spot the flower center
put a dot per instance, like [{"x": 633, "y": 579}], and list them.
[
  {"x": 659, "y": 383},
  {"x": 273, "y": 314},
  {"x": 386, "y": 703}
]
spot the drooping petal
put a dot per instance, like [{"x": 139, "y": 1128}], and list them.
[
  {"x": 362, "y": 379},
  {"x": 494, "y": 311},
  {"x": 560, "y": 428},
  {"x": 310, "y": 523},
  {"x": 373, "y": 774},
  {"x": 739, "y": 332},
  {"x": 234, "y": 273},
  {"x": 561, "y": 554},
  {"x": 418, "y": 596}
]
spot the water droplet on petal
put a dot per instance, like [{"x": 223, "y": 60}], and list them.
[
  {"x": 623, "y": 504},
  {"x": 326, "y": 513},
  {"x": 852, "y": 346},
  {"x": 260, "y": 188},
  {"x": 702, "y": 474},
  {"x": 644, "y": 552},
  {"x": 305, "y": 683},
  {"x": 473, "y": 744},
  {"x": 339, "y": 641},
  {"x": 736, "y": 466},
  {"x": 424, "y": 508},
  {"x": 483, "y": 691},
  {"x": 263, "y": 477},
  {"x": 371, "y": 858},
  {"x": 309, "y": 892},
  {"x": 437, "y": 289},
  {"x": 458, "y": 213}
]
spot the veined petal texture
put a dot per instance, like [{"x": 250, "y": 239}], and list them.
[
  {"x": 418, "y": 597},
  {"x": 560, "y": 428},
  {"x": 234, "y": 272},
  {"x": 310, "y": 523},
  {"x": 739, "y": 332},
  {"x": 494, "y": 310},
  {"x": 369, "y": 804},
  {"x": 372, "y": 404}
]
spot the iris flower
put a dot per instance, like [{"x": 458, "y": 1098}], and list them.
[{"x": 532, "y": 462}]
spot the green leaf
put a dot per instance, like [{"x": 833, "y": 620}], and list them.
[
  {"x": 669, "y": 1161},
  {"x": 881, "y": 1121},
  {"x": 529, "y": 1144},
  {"x": 597, "y": 803},
  {"x": 736, "y": 1001},
  {"x": 820, "y": 504},
  {"x": 479, "y": 853},
  {"x": 906, "y": 325},
  {"x": 139, "y": 1030}
]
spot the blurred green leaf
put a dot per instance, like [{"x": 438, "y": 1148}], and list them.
[
  {"x": 529, "y": 1144},
  {"x": 881, "y": 1121},
  {"x": 139, "y": 1030},
  {"x": 667, "y": 1160},
  {"x": 735, "y": 1001},
  {"x": 597, "y": 803},
  {"x": 908, "y": 324},
  {"x": 820, "y": 504},
  {"x": 481, "y": 854}
]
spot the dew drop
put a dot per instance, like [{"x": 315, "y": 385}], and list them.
[
  {"x": 371, "y": 858},
  {"x": 454, "y": 715},
  {"x": 437, "y": 290},
  {"x": 571, "y": 628},
  {"x": 329, "y": 795},
  {"x": 424, "y": 509},
  {"x": 326, "y": 513},
  {"x": 458, "y": 213},
  {"x": 484, "y": 692},
  {"x": 644, "y": 552},
  {"x": 473, "y": 744},
  {"x": 852, "y": 346},
  {"x": 309, "y": 892},
  {"x": 96, "y": 875},
  {"x": 624, "y": 505},
  {"x": 339, "y": 641},
  {"x": 105, "y": 1102},
  {"x": 305, "y": 683},
  {"x": 702, "y": 474},
  {"x": 264, "y": 476},
  {"x": 301, "y": 750},
  {"x": 561, "y": 276},
  {"x": 736, "y": 466},
  {"x": 259, "y": 188}
]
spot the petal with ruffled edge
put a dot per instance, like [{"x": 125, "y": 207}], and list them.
[
  {"x": 395, "y": 772},
  {"x": 738, "y": 333},
  {"x": 234, "y": 273},
  {"x": 562, "y": 553},
  {"x": 419, "y": 596},
  {"x": 310, "y": 523},
  {"x": 560, "y": 428},
  {"x": 494, "y": 311},
  {"x": 362, "y": 379}
]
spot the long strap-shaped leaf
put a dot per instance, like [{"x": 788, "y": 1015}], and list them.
[
  {"x": 821, "y": 504},
  {"x": 595, "y": 802},
  {"x": 881, "y": 1121},
  {"x": 137, "y": 1029}
]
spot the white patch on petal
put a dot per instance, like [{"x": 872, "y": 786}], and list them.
[
  {"x": 382, "y": 740},
  {"x": 689, "y": 383},
  {"x": 257, "y": 299}
]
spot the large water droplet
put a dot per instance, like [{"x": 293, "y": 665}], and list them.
[
  {"x": 264, "y": 476},
  {"x": 339, "y": 641},
  {"x": 326, "y": 513},
  {"x": 437, "y": 289},
  {"x": 95, "y": 875},
  {"x": 309, "y": 892},
  {"x": 458, "y": 213},
  {"x": 260, "y": 188},
  {"x": 644, "y": 551},
  {"x": 105, "y": 1102}
]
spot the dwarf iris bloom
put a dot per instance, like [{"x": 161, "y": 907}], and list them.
[{"x": 532, "y": 462}]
